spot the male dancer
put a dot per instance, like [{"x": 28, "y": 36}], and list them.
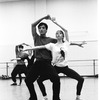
[{"x": 42, "y": 65}]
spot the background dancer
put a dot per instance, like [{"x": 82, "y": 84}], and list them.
[{"x": 20, "y": 67}]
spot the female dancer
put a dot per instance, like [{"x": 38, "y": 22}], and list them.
[{"x": 21, "y": 67}]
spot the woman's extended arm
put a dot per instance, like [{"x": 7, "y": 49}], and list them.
[
  {"x": 80, "y": 45},
  {"x": 36, "y": 47}
]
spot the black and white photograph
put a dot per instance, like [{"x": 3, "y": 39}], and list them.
[{"x": 49, "y": 49}]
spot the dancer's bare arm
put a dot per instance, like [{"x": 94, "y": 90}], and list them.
[
  {"x": 36, "y": 47},
  {"x": 66, "y": 32},
  {"x": 36, "y": 23},
  {"x": 80, "y": 44}
]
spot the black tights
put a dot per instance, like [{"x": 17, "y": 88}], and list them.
[
  {"x": 18, "y": 69},
  {"x": 67, "y": 71},
  {"x": 42, "y": 68}
]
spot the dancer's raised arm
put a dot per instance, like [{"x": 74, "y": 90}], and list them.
[
  {"x": 66, "y": 32},
  {"x": 36, "y": 23}
]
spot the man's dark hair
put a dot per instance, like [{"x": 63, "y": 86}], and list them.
[
  {"x": 43, "y": 24},
  {"x": 20, "y": 46}
]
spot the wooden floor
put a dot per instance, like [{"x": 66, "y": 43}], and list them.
[{"x": 68, "y": 90}]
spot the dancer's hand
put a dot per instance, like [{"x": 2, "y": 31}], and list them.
[
  {"x": 12, "y": 60},
  {"x": 53, "y": 19},
  {"x": 47, "y": 17},
  {"x": 25, "y": 44},
  {"x": 83, "y": 43}
]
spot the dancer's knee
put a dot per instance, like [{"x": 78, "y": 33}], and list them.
[
  {"x": 81, "y": 80},
  {"x": 27, "y": 81},
  {"x": 56, "y": 80},
  {"x": 13, "y": 74}
]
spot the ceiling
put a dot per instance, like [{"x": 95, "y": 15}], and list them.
[
  {"x": 15, "y": 0},
  {"x": 11, "y": 0}
]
